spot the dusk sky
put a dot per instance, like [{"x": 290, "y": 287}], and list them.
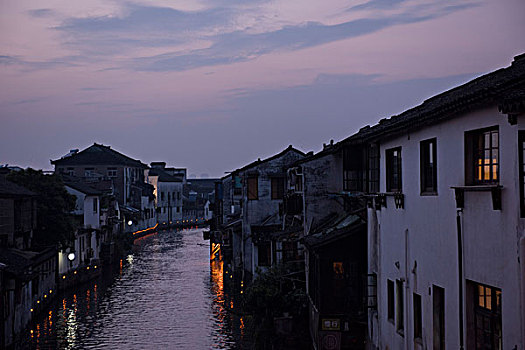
[{"x": 213, "y": 85}]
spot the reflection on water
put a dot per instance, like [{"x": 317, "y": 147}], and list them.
[{"x": 166, "y": 295}]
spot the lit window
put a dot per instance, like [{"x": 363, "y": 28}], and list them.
[
  {"x": 264, "y": 251},
  {"x": 482, "y": 158}
]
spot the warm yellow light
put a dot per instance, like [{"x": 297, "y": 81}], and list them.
[
  {"x": 45, "y": 295},
  {"x": 50, "y": 291},
  {"x": 241, "y": 291},
  {"x": 75, "y": 272},
  {"x": 87, "y": 268},
  {"x": 31, "y": 311},
  {"x": 31, "y": 330},
  {"x": 38, "y": 301},
  {"x": 63, "y": 277},
  {"x": 95, "y": 266}
]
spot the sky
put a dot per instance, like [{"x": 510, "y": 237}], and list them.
[{"x": 212, "y": 85}]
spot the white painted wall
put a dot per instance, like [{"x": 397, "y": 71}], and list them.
[
  {"x": 425, "y": 232},
  {"x": 92, "y": 212},
  {"x": 172, "y": 203}
]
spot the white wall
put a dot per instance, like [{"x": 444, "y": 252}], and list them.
[
  {"x": 172, "y": 204},
  {"x": 91, "y": 216},
  {"x": 425, "y": 233}
]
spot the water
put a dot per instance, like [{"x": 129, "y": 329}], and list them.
[{"x": 166, "y": 295}]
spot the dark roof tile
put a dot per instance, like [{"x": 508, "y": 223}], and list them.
[{"x": 99, "y": 155}]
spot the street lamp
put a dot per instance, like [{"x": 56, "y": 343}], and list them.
[
  {"x": 130, "y": 222},
  {"x": 71, "y": 256}
]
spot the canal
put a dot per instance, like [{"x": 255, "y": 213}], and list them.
[{"x": 166, "y": 294}]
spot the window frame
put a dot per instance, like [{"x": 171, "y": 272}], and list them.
[
  {"x": 391, "y": 301},
  {"x": 428, "y": 166},
  {"x": 417, "y": 309},
  {"x": 487, "y": 312},
  {"x": 400, "y": 306},
  {"x": 473, "y": 152},
  {"x": 252, "y": 187},
  {"x": 394, "y": 162},
  {"x": 277, "y": 184}
]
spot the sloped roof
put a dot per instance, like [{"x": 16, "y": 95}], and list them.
[
  {"x": 82, "y": 187},
  {"x": 98, "y": 154},
  {"x": 491, "y": 88},
  {"x": 343, "y": 228},
  {"x": 18, "y": 261}
]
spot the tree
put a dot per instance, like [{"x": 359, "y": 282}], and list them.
[{"x": 55, "y": 223}]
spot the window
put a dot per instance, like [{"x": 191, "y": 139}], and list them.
[
  {"x": 95, "y": 205},
  {"x": 428, "y": 166},
  {"x": 373, "y": 168},
  {"x": 277, "y": 187},
  {"x": 482, "y": 157},
  {"x": 89, "y": 172},
  {"x": 299, "y": 183},
  {"x": 487, "y": 316},
  {"x": 418, "y": 319},
  {"x": 112, "y": 172},
  {"x": 438, "y": 317},
  {"x": 237, "y": 185},
  {"x": 264, "y": 254},
  {"x": 391, "y": 305},
  {"x": 178, "y": 209},
  {"x": 253, "y": 188},
  {"x": 70, "y": 171},
  {"x": 400, "y": 319},
  {"x": 161, "y": 196},
  {"x": 353, "y": 169},
  {"x": 393, "y": 170}
]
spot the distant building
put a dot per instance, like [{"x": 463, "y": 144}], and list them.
[
  {"x": 197, "y": 192},
  {"x": 252, "y": 214},
  {"x": 27, "y": 274},
  {"x": 99, "y": 161},
  {"x": 168, "y": 192}
]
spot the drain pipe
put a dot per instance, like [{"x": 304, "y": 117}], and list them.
[
  {"x": 460, "y": 276},
  {"x": 522, "y": 275},
  {"x": 407, "y": 290}
]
